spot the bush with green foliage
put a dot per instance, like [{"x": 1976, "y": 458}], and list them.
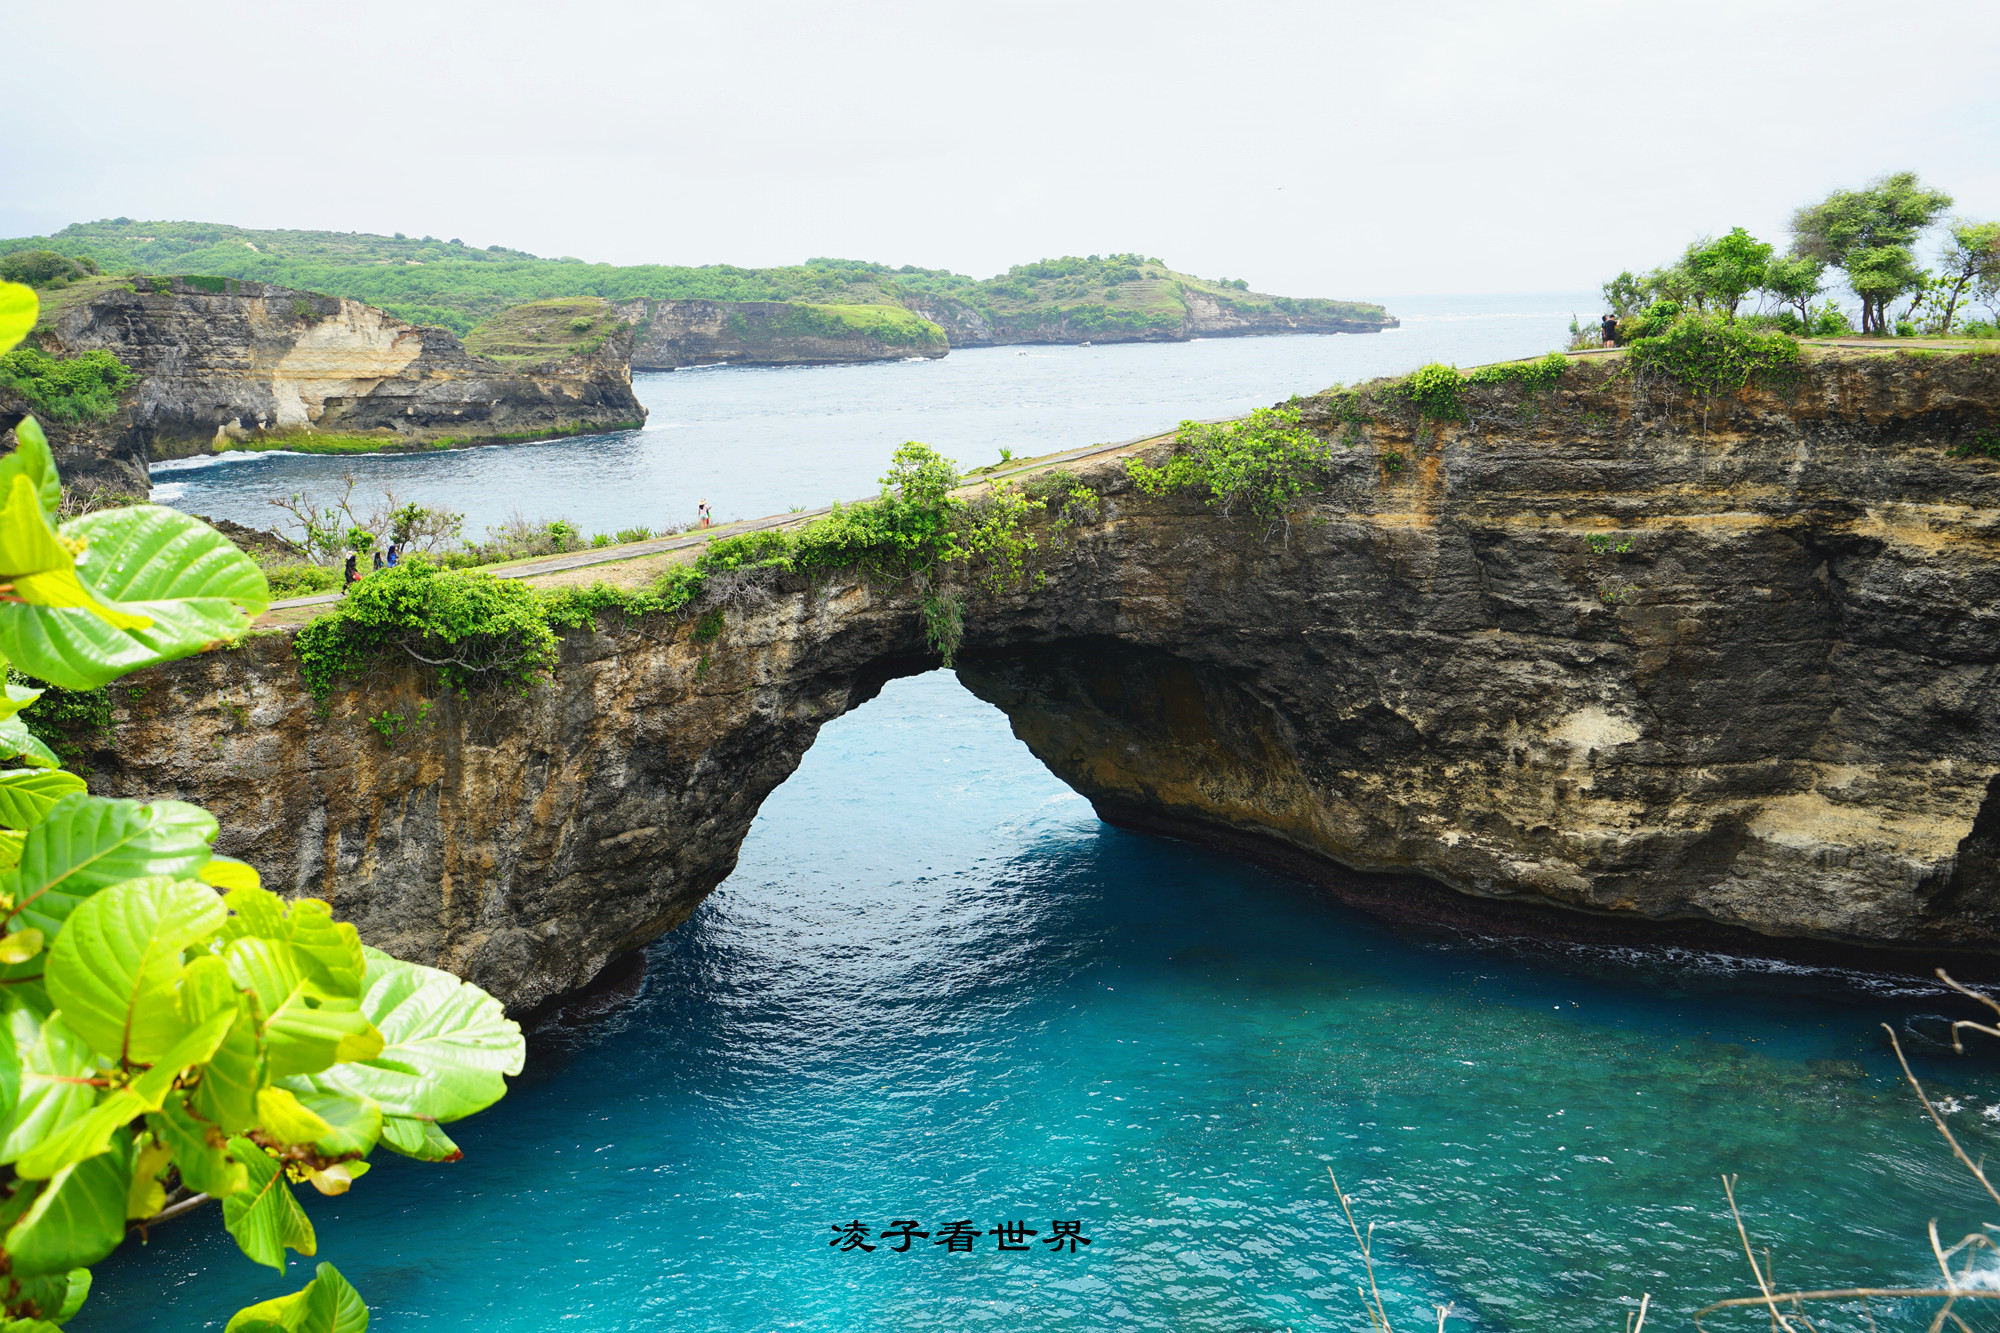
[
  {"x": 1264, "y": 463},
  {"x": 72, "y": 389},
  {"x": 45, "y": 268},
  {"x": 171, "y": 1025},
  {"x": 1711, "y": 356}
]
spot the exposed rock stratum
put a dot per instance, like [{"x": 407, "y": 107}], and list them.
[{"x": 1605, "y": 647}]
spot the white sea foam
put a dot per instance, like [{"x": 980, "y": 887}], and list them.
[{"x": 172, "y": 490}]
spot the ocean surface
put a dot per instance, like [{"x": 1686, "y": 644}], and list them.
[{"x": 938, "y": 991}]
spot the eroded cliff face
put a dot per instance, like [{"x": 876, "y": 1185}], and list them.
[
  {"x": 256, "y": 364},
  {"x": 1596, "y": 647},
  {"x": 674, "y": 334}
]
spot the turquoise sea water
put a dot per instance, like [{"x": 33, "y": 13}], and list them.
[{"x": 937, "y": 989}]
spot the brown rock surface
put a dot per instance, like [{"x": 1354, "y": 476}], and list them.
[{"x": 1646, "y": 657}]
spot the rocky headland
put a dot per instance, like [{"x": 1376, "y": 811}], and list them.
[
  {"x": 1604, "y": 646},
  {"x": 228, "y": 364},
  {"x": 672, "y": 335}
]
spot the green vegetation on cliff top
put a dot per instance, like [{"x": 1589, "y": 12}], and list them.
[{"x": 449, "y": 283}]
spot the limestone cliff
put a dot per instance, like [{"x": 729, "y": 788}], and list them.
[
  {"x": 675, "y": 334},
  {"x": 228, "y": 363},
  {"x": 1603, "y": 647},
  {"x": 1188, "y": 313}
]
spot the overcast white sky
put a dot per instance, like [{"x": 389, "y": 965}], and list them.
[{"x": 1329, "y": 149}]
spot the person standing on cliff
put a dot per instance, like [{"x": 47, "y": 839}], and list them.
[
  {"x": 395, "y": 554},
  {"x": 701, "y": 512},
  {"x": 1611, "y": 330},
  {"x": 378, "y": 560},
  {"x": 352, "y": 575}
]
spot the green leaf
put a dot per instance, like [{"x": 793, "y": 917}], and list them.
[
  {"x": 77, "y": 1219},
  {"x": 305, "y": 1028},
  {"x": 327, "y": 1304},
  {"x": 199, "y": 1150},
  {"x": 27, "y": 793},
  {"x": 146, "y": 1195},
  {"x": 87, "y": 843},
  {"x": 19, "y": 308},
  {"x": 33, "y": 459},
  {"x": 21, "y": 946},
  {"x": 191, "y": 586},
  {"x": 329, "y": 950},
  {"x": 11, "y": 841},
  {"x": 41, "y": 567},
  {"x": 351, "y": 1123},
  {"x": 13, "y": 698},
  {"x": 112, "y": 971},
  {"x": 17, "y": 742},
  {"x": 281, "y": 1116},
  {"x": 53, "y": 1060},
  {"x": 226, "y": 872},
  {"x": 227, "y": 1093},
  {"x": 78, "y": 1289},
  {"x": 446, "y": 1044},
  {"x": 420, "y": 1139},
  {"x": 263, "y": 1216},
  {"x": 91, "y": 1133}
]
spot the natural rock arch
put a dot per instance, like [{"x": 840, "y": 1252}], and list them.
[{"x": 1769, "y": 701}]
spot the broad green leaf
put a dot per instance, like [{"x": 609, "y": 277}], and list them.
[
  {"x": 77, "y": 1290},
  {"x": 193, "y": 588},
  {"x": 336, "y": 1178},
  {"x": 420, "y": 1139},
  {"x": 200, "y": 1151},
  {"x": 263, "y": 1216},
  {"x": 327, "y": 1304},
  {"x": 305, "y": 1028},
  {"x": 446, "y": 1044},
  {"x": 284, "y": 1119},
  {"x": 329, "y": 950},
  {"x": 41, "y": 567},
  {"x": 353, "y": 1123},
  {"x": 54, "y": 1063},
  {"x": 10, "y": 1069},
  {"x": 112, "y": 971},
  {"x": 13, "y": 698},
  {"x": 146, "y": 1195},
  {"x": 20, "y": 946},
  {"x": 91, "y": 1133},
  {"x": 27, "y": 793},
  {"x": 77, "y": 1219},
  {"x": 226, "y": 872},
  {"x": 227, "y": 1093},
  {"x": 17, "y": 742},
  {"x": 88, "y": 843},
  {"x": 10, "y": 847},
  {"x": 33, "y": 459},
  {"x": 19, "y": 308}
]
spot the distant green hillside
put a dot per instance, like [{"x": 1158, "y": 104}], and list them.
[{"x": 446, "y": 282}]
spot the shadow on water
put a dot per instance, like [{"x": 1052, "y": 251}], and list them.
[{"x": 936, "y": 988}]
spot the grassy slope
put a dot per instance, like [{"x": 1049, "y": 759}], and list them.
[
  {"x": 429, "y": 281},
  {"x": 544, "y": 330}
]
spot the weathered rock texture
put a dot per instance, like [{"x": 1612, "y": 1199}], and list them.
[
  {"x": 674, "y": 334},
  {"x": 256, "y": 364},
  {"x": 1646, "y": 657}
]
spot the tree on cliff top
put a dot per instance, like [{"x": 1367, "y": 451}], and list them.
[{"x": 1868, "y": 234}]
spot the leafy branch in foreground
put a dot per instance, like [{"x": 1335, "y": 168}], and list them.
[{"x": 169, "y": 1029}]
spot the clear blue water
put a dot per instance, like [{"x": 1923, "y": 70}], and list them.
[
  {"x": 937, "y": 988},
  {"x": 756, "y": 442}
]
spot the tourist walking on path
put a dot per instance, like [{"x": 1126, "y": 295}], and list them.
[
  {"x": 701, "y": 510},
  {"x": 352, "y": 575},
  {"x": 378, "y": 560},
  {"x": 395, "y": 554}
]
